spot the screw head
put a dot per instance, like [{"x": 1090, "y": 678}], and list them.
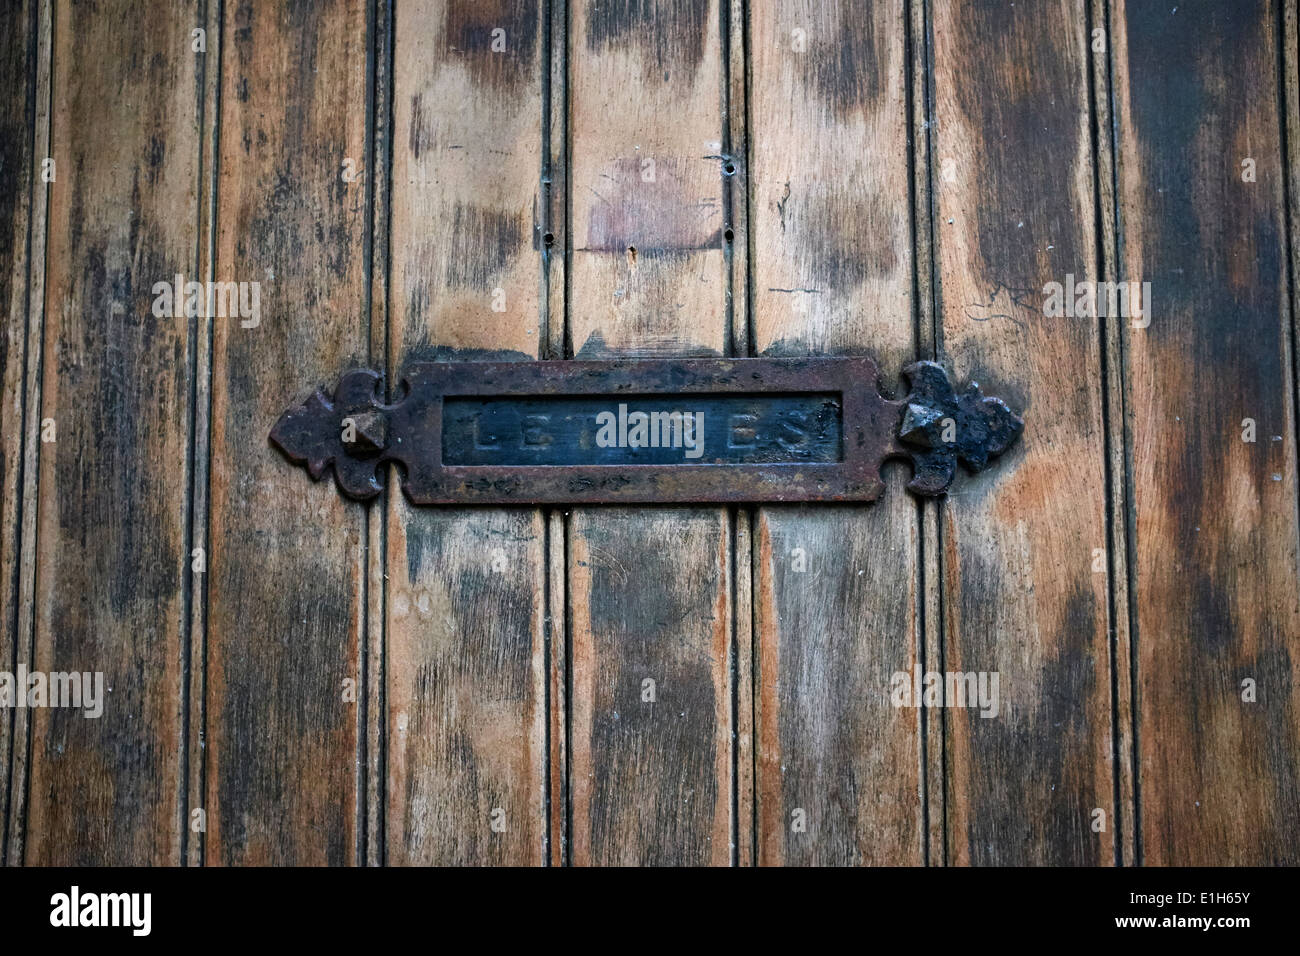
[
  {"x": 370, "y": 434},
  {"x": 919, "y": 425}
]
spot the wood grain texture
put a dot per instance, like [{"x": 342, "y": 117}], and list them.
[
  {"x": 378, "y": 180},
  {"x": 651, "y": 781},
  {"x": 735, "y": 206},
  {"x": 1216, "y": 586},
  {"x": 557, "y": 794},
  {"x": 836, "y": 588},
  {"x": 1112, "y": 342},
  {"x": 17, "y": 125},
  {"x": 466, "y": 590},
  {"x": 285, "y": 602},
  {"x": 647, "y": 272},
  {"x": 113, "y": 486},
  {"x": 18, "y": 81},
  {"x": 555, "y": 249},
  {"x": 1012, "y": 171},
  {"x": 930, "y": 600},
  {"x": 651, "y": 764},
  {"x": 466, "y": 689},
  {"x": 194, "y": 713},
  {"x": 25, "y": 600}
]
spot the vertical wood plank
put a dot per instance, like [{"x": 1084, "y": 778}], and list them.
[
  {"x": 742, "y": 587},
  {"x": 113, "y": 487},
  {"x": 651, "y": 766},
  {"x": 735, "y": 235},
  {"x": 1117, "y": 441},
  {"x": 555, "y": 246},
  {"x": 1291, "y": 135},
  {"x": 26, "y": 597},
  {"x": 650, "y": 772},
  {"x": 466, "y": 675},
  {"x": 287, "y": 558},
  {"x": 832, "y": 259},
  {"x": 378, "y": 187},
  {"x": 647, "y": 274},
  {"x": 930, "y": 607},
  {"x": 1216, "y": 585},
  {"x": 18, "y": 78},
  {"x": 194, "y": 714},
  {"x": 557, "y": 794},
  {"x": 838, "y": 766},
  {"x": 1012, "y": 169}
]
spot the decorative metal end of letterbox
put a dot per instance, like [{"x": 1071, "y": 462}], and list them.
[
  {"x": 644, "y": 432},
  {"x": 348, "y": 431},
  {"x": 940, "y": 428}
]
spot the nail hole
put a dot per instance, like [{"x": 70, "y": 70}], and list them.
[
  {"x": 729, "y": 169},
  {"x": 728, "y": 235},
  {"x": 549, "y": 239}
]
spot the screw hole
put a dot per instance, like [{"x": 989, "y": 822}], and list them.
[
  {"x": 729, "y": 169},
  {"x": 549, "y": 239},
  {"x": 729, "y": 235}
]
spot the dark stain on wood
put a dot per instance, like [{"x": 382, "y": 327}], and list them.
[
  {"x": 1216, "y": 530},
  {"x": 482, "y": 242},
  {"x": 464, "y": 674},
  {"x": 113, "y": 491},
  {"x": 834, "y": 627},
  {"x": 1059, "y": 825},
  {"x": 844, "y": 55},
  {"x": 285, "y": 569},
  {"x": 1020, "y": 594},
  {"x": 467, "y": 728},
  {"x": 649, "y": 622},
  {"x": 1018, "y": 105},
  {"x": 474, "y": 27},
  {"x": 676, "y": 31}
]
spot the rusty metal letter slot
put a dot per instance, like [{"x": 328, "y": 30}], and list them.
[{"x": 644, "y": 431}]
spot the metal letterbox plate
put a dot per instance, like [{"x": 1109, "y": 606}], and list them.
[{"x": 643, "y": 431}]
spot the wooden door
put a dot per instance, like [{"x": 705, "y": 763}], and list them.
[{"x": 293, "y": 678}]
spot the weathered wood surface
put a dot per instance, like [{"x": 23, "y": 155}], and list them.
[
  {"x": 113, "y": 502},
  {"x": 286, "y": 596},
  {"x": 603, "y": 178},
  {"x": 836, "y": 588},
  {"x": 1215, "y": 525},
  {"x": 465, "y": 647},
  {"x": 650, "y": 655},
  {"x": 21, "y": 256},
  {"x": 1025, "y": 584}
]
